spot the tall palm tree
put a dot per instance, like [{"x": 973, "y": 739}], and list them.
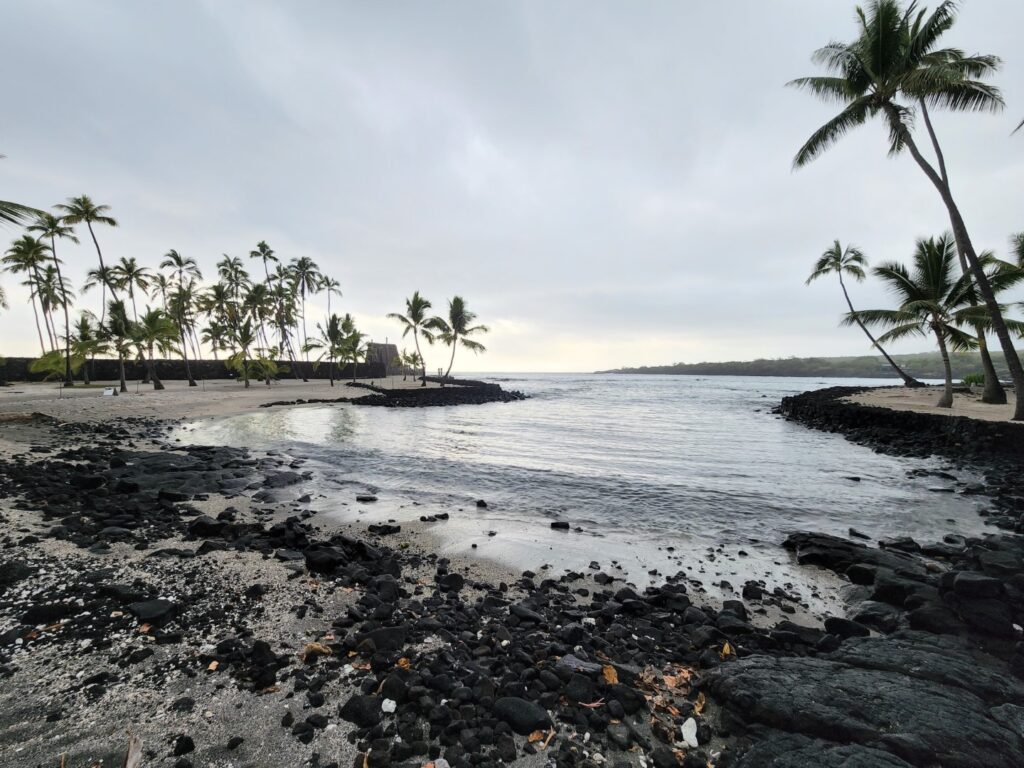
[
  {"x": 53, "y": 291},
  {"x": 264, "y": 253},
  {"x": 850, "y": 261},
  {"x": 330, "y": 286},
  {"x": 307, "y": 279},
  {"x": 53, "y": 228},
  {"x": 932, "y": 299},
  {"x": 179, "y": 308},
  {"x": 82, "y": 210},
  {"x": 895, "y": 70},
  {"x": 232, "y": 272},
  {"x": 128, "y": 275},
  {"x": 181, "y": 266},
  {"x": 457, "y": 327},
  {"x": 415, "y": 319},
  {"x": 26, "y": 255}
]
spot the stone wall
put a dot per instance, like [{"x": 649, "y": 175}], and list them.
[{"x": 101, "y": 369}]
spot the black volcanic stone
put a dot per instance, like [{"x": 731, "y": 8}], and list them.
[
  {"x": 362, "y": 710},
  {"x": 522, "y": 716}
]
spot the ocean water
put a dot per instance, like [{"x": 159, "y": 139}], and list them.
[{"x": 656, "y": 472}]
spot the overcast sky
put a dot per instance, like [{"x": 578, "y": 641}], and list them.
[{"x": 606, "y": 183}]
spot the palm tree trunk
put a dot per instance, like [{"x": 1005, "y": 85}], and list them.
[
  {"x": 946, "y": 401},
  {"x": 151, "y": 369},
  {"x": 965, "y": 246},
  {"x": 120, "y": 368},
  {"x": 330, "y": 371},
  {"x": 68, "y": 379},
  {"x": 423, "y": 361},
  {"x": 908, "y": 380},
  {"x": 99, "y": 254},
  {"x": 39, "y": 329},
  {"x": 455, "y": 343},
  {"x": 184, "y": 356},
  {"x": 994, "y": 392}
]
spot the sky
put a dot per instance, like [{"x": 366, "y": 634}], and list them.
[{"x": 606, "y": 184}]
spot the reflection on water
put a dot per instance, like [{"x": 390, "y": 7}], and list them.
[{"x": 637, "y": 460}]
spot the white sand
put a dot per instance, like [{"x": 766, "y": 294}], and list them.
[
  {"x": 219, "y": 397},
  {"x": 923, "y": 400}
]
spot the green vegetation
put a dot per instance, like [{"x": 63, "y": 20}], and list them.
[
  {"x": 850, "y": 261},
  {"x": 895, "y": 70},
  {"x": 923, "y": 365}
]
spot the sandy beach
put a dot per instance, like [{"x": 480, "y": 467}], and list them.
[
  {"x": 215, "y": 397},
  {"x": 922, "y": 400},
  {"x": 199, "y": 598}
]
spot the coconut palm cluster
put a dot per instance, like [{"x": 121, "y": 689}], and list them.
[
  {"x": 897, "y": 70},
  {"x": 254, "y": 321}
]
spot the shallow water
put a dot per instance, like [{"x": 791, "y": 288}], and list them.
[{"x": 639, "y": 463}]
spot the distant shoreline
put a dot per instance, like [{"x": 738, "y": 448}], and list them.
[{"x": 925, "y": 365}]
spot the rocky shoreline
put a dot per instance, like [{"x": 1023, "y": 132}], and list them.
[
  {"x": 188, "y": 595},
  {"x": 457, "y": 392}
]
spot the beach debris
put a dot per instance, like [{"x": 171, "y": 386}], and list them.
[
  {"x": 388, "y": 706},
  {"x": 312, "y": 651},
  {"x": 689, "y": 732}
]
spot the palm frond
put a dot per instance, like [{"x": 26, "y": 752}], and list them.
[{"x": 855, "y": 114}]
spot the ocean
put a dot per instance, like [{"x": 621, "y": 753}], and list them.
[{"x": 655, "y": 472}]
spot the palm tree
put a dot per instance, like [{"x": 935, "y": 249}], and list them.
[
  {"x": 215, "y": 334},
  {"x": 15, "y": 213},
  {"x": 53, "y": 291},
  {"x": 49, "y": 226},
  {"x": 27, "y": 254},
  {"x": 307, "y": 279},
  {"x": 154, "y": 331},
  {"x": 181, "y": 266},
  {"x": 264, "y": 253},
  {"x": 331, "y": 341},
  {"x": 232, "y": 273},
  {"x": 850, "y": 261},
  {"x": 931, "y": 299},
  {"x": 179, "y": 310},
  {"x": 82, "y": 210},
  {"x": 87, "y": 342},
  {"x": 457, "y": 327},
  {"x": 117, "y": 332},
  {"x": 415, "y": 319},
  {"x": 893, "y": 70},
  {"x": 244, "y": 337},
  {"x": 1017, "y": 248},
  {"x": 353, "y": 349},
  {"x": 331, "y": 286},
  {"x": 129, "y": 275}
]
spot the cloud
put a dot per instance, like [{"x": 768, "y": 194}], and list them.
[{"x": 606, "y": 184}]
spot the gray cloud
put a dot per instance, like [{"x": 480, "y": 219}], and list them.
[{"x": 606, "y": 183}]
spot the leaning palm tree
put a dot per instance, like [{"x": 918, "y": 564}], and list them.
[
  {"x": 415, "y": 319},
  {"x": 457, "y": 327},
  {"x": 82, "y": 210},
  {"x": 26, "y": 255},
  {"x": 850, "y": 261},
  {"x": 932, "y": 299},
  {"x": 895, "y": 70},
  {"x": 53, "y": 228}
]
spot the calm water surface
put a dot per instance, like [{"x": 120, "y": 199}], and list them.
[{"x": 638, "y": 462}]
